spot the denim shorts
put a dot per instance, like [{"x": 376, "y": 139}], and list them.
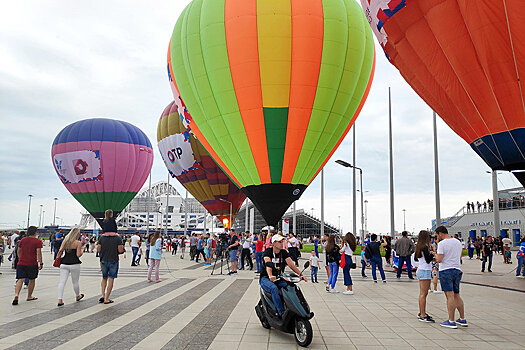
[
  {"x": 423, "y": 274},
  {"x": 109, "y": 269},
  {"x": 450, "y": 279},
  {"x": 233, "y": 255}
]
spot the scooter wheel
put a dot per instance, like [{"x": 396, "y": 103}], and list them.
[
  {"x": 262, "y": 318},
  {"x": 303, "y": 332}
]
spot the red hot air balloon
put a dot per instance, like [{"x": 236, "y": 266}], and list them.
[{"x": 466, "y": 60}]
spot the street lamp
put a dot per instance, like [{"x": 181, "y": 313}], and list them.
[
  {"x": 230, "y": 222},
  {"x": 348, "y": 165},
  {"x": 404, "y": 222},
  {"x": 55, "y": 211},
  {"x": 43, "y": 215},
  {"x": 61, "y": 220},
  {"x": 29, "y": 209},
  {"x": 339, "y": 218}
]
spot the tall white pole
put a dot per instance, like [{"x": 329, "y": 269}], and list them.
[
  {"x": 205, "y": 223},
  {"x": 294, "y": 220},
  {"x": 366, "y": 216},
  {"x": 322, "y": 202},
  {"x": 495, "y": 198},
  {"x": 167, "y": 205},
  {"x": 362, "y": 205},
  {"x": 246, "y": 216},
  {"x": 148, "y": 201},
  {"x": 29, "y": 209},
  {"x": 354, "y": 192},
  {"x": 436, "y": 173},
  {"x": 391, "y": 153},
  {"x": 40, "y": 218},
  {"x": 186, "y": 214},
  {"x": 55, "y": 211}
]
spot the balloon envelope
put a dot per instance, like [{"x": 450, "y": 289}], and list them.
[
  {"x": 273, "y": 87},
  {"x": 193, "y": 166},
  {"x": 102, "y": 162},
  {"x": 465, "y": 59}
]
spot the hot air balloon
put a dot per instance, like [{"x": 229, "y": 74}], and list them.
[
  {"x": 273, "y": 87},
  {"x": 193, "y": 166},
  {"x": 102, "y": 162},
  {"x": 464, "y": 59}
]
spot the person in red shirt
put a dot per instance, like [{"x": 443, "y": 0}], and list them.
[{"x": 29, "y": 263}]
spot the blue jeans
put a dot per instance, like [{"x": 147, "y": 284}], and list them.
[
  {"x": 273, "y": 288},
  {"x": 346, "y": 270},
  {"x": 135, "y": 251},
  {"x": 408, "y": 261},
  {"x": 521, "y": 261},
  {"x": 314, "y": 273},
  {"x": 334, "y": 270},
  {"x": 363, "y": 267},
  {"x": 484, "y": 260},
  {"x": 470, "y": 252},
  {"x": 377, "y": 261},
  {"x": 258, "y": 260}
]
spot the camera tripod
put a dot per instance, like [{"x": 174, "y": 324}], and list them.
[{"x": 221, "y": 252}]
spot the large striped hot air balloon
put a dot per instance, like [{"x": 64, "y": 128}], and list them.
[
  {"x": 193, "y": 166},
  {"x": 464, "y": 59},
  {"x": 102, "y": 162},
  {"x": 273, "y": 87}
]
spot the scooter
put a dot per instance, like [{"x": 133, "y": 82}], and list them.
[{"x": 297, "y": 314}]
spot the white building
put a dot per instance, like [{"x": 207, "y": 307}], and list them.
[{"x": 154, "y": 204}]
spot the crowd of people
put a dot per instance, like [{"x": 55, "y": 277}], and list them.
[
  {"x": 438, "y": 257},
  {"x": 517, "y": 201}
]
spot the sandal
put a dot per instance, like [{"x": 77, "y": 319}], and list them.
[
  {"x": 32, "y": 298},
  {"x": 108, "y": 302},
  {"x": 15, "y": 302},
  {"x": 80, "y": 297},
  {"x": 60, "y": 304},
  {"x": 101, "y": 300}
]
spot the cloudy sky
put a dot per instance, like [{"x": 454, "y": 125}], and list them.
[{"x": 64, "y": 61}]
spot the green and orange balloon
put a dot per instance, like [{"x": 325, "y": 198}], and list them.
[{"x": 273, "y": 87}]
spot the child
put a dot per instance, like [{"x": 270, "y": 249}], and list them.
[
  {"x": 139, "y": 255},
  {"x": 364, "y": 263},
  {"x": 314, "y": 266}
]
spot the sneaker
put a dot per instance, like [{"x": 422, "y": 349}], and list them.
[
  {"x": 426, "y": 318},
  {"x": 375, "y": 281},
  {"x": 327, "y": 288},
  {"x": 364, "y": 276},
  {"x": 334, "y": 291},
  {"x": 462, "y": 322},
  {"x": 490, "y": 270},
  {"x": 429, "y": 319},
  {"x": 384, "y": 281},
  {"x": 448, "y": 324},
  {"x": 348, "y": 292}
]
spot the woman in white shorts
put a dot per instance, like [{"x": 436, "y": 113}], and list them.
[{"x": 424, "y": 271}]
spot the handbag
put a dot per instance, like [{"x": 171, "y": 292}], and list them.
[
  {"x": 342, "y": 264},
  {"x": 57, "y": 261}
]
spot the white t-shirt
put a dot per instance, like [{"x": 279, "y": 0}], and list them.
[
  {"x": 293, "y": 242},
  {"x": 247, "y": 243},
  {"x": 346, "y": 249},
  {"x": 13, "y": 238},
  {"x": 451, "y": 250},
  {"x": 314, "y": 261},
  {"x": 135, "y": 241}
]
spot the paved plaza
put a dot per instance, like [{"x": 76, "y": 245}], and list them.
[{"x": 190, "y": 309}]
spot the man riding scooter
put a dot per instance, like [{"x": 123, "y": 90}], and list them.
[{"x": 275, "y": 260}]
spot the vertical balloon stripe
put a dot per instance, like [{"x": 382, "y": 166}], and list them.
[
  {"x": 356, "y": 74},
  {"x": 355, "y": 113},
  {"x": 515, "y": 20},
  {"x": 206, "y": 58},
  {"x": 274, "y": 32},
  {"x": 275, "y": 120},
  {"x": 241, "y": 40},
  {"x": 330, "y": 76},
  {"x": 307, "y": 48}
]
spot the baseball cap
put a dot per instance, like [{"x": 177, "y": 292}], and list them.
[{"x": 277, "y": 238}]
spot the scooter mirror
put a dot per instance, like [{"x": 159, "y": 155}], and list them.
[{"x": 306, "y": 264}]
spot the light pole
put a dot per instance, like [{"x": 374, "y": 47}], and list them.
[
  {"x": 312, "y": 212},
  {"x": 348, "y": 165},
  {"x": 404, "y": 220},
  {"x": 43, "y": 215},
  {"x": 61, "y": 220},
  {"x": 339, "y": 218},
  {"x": 366, "y": 215},
  {"x": 29, "y": 209},
  {"x": 55, "y": 211},
  {"x": 40, "y": 217},
  {"x": 495, "y": 204},
  {"x": 230, "y": 222}
]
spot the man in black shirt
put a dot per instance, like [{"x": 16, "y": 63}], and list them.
[
  {"x": 233, "y": 248},
  {"x": 275, "y": 260},
  {"x": 486, "y": 250}
]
